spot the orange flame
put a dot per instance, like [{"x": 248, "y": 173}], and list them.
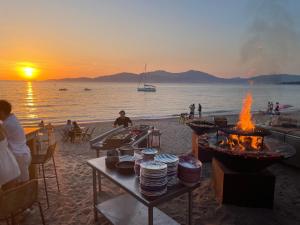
[{"x": 245, "y": 123}]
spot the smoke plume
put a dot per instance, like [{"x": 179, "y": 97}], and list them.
[{"x": 272, "y": 41}]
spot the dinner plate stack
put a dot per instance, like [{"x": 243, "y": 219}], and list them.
[
  {"x": 172, "y": 163},
  {"x": 153, "y": 178}
]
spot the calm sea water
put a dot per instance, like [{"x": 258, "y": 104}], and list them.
[{"x": 35, "y": 101}]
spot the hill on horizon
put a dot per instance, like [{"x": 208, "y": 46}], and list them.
[{"x": 191, "y": 76}]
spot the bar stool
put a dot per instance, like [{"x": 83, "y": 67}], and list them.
[{"x": 41, "y": 160}]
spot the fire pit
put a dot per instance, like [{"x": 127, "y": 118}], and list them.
[
  {"x": 241, "y": 153},
  {"x": 242, "y": 147},
  {"x": 201, "y": 127}
]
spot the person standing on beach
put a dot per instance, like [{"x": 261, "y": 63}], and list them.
[
  {"x": 16, "y": 139},
  {"x": 192, "y": 111},
  {"x": 271, "y": 107},
  {"x": 277, "y": 109},
  {"x": 122, "y": 120},
  {"x": 200, "y": 109}
]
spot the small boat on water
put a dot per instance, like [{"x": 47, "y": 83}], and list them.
[
  {"x": 87, "y": 89},
  {"x": 63, "y": 89},
  {"x": 146, "y": 87}
]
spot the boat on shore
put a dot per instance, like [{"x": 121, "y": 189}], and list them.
[
  {"x": 87, "y": 89},
  {"x": 63, "y": 89}
]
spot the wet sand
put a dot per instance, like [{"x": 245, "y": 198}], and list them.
[{"x": 73, "y": 205}]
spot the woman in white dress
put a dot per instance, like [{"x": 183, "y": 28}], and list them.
[{"x": 9, "y": 169}]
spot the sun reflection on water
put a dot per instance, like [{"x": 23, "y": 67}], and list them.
[{"x": 30, "y": 102}]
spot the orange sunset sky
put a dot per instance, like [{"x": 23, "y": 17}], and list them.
[{"x": 90, "y": 38}]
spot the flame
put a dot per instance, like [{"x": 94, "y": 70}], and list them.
[{"x": 245, "y": 123}]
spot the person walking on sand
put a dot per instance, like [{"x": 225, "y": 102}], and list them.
[
  {"x": 16, "y": 140},
  {"x": 122, "y": 120},
  {"x": 200, "y": 109}
]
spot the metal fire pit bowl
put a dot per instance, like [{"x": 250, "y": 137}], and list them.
[
  {"x": 258, "y": 131},
  {"x": 253, "y": 161},
  {"x": 201, "y": 127}
]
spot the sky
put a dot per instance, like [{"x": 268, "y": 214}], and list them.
[{"x": 76, "y": 38}]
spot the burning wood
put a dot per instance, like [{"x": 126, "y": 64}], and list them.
[{"x": 245, "y": 125}]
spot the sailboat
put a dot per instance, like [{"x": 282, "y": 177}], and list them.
[{"x": 146, "y": 87}]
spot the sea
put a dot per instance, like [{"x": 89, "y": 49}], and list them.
[{"x": 42, "y": 100}]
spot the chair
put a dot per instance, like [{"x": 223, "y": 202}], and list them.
[
  {"x": 89, "y": 135},
  {"x": 183, "y": 117},
  {"x": 41, "y": 160},
  {"x": 76, "y": 135},
  {"x": 17, "y": 200},
  {"x": 64, "y": 135},
  {"x": 84, "y": 134}
]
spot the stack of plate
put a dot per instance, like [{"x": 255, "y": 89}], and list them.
[
  {"x": 153, "y": 178},
  {"x": 172, "y": 162}
]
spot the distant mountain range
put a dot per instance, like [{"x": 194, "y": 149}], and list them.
[{"x": 191, "y": 76}]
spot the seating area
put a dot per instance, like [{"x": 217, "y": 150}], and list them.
[
  {"x": 77, "y": 136},
  {"x": 16, "y": 200}
]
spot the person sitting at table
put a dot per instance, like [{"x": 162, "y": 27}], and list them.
[
  {"x": 42, "y": 124},
  {"x": 68, "y": 127},
  {"x": 9, "y": 168},
  {"x": 16, "y": 140},
  {"x": 122, "y": 120}
]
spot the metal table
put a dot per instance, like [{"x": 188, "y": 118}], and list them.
[{"x": 134, "y": 208}]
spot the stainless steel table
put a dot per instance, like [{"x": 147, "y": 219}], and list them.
[{"x": 133, "y": 208}]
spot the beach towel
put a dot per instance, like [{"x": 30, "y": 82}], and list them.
[{"x": 9, "y": 169}]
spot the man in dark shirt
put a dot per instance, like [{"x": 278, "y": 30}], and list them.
[{"x": 122, "y": 120}]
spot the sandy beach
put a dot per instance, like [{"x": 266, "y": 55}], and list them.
[{"x": 73, "y": 205}]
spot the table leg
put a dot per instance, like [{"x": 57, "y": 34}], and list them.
[
  {"x": 150, "y": 215},
  {"x": 99, "y": 182},
  {"x": 95, "y": 194},
  {"x": 190, "y": 208}
]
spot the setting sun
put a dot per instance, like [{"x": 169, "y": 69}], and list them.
[{"x": 27, "y": 71}]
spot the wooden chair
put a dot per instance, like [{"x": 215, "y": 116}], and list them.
[
  {"x": 16, "y": 200},
  {"x": 84, "y": 134},
  {"x": 89, "y": 135},
  {"x": 41, "y": 160},
  {"x": 64, "y": 134}
]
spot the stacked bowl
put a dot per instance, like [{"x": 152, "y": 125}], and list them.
[
  {"x": 189, "y": 170},
  {"x": 153, "y": 178},
  {"x": 149, "y": 153},
  {"x": 172, "y": 163}
]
